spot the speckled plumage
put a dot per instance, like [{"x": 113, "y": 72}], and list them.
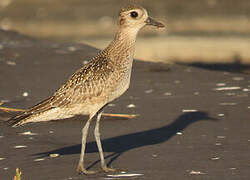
[
  {"x": 105, "y": 78},
  {"x": 97, "y": 83}
]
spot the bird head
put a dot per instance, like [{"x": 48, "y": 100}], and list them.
[{"x": 135, "y": 17}]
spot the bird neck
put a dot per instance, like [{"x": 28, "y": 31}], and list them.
[{"x": 123, "y": 46}]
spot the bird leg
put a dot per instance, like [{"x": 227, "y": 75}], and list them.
[
  {"x": 99, "y": 144},
  {"x": 81, "y": 167}
]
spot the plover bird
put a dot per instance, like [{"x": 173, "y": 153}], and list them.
[{"x": 105, "y": 78}]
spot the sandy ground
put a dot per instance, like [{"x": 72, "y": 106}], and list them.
[
  {"x": 193, "y": 123},
  {"x": 190, "y": 49},
  {"x": 207, "y": 30}
]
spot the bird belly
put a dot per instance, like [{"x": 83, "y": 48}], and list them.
[{"x": 120, "y": 88}]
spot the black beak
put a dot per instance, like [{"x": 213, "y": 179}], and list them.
[{"x": 152, "y": 22}]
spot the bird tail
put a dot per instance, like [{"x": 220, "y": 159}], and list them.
[
  {"x": 27, "y": 115},
  {"x": 19, "y": 120}
]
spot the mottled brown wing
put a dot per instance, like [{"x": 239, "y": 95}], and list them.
[{"x": 89, "y": 81}]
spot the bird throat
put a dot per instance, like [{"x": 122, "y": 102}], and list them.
[{"x": 122, "y": 48}]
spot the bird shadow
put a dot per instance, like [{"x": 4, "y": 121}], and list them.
[{"x": 120, "y": 144}]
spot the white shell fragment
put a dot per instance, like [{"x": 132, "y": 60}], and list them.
[
  {"x": 25, "y": 94},
  {"x": 111, "y": 105},
  {"x": 196, "y": 172},
  {"x": 2, "y": 159},
  {"x": 20, "y": 146},
  {"x": 39, "y": 159},
  {"x": 51, "y": 132},
  {"x": 228, "y": 104},
  {"x": 6, "y": 168},
  {"x": 218, "y": 144},
  {"x": 148, "y": 91},
  {"x": 11, "y": 63},
  {"x": 167, "y": 94},
  {"x": 189, "y": 110},
  {"x": 245, "y": 90},
  {"x": 85, "y": 62},
  {"x": 28, "y": 133},
  {"x": 215, "y": 158},
  {"x": 221, "y": 115},
  {"x": 238, "y": 78},
  {"x": 54, "y": 155},
  {"x": 221, "y": 137},
  {"x": 179, "y": 133},
  {"x": 196, "y": 93},
  {"x": 124, "y": 175},
  {"x": 227, "y": 88},
  {"x": 72, "y": 48},
  {"x": 131, "y": 106},
  {"x": 221, "y": 84}
]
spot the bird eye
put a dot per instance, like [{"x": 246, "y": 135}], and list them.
[{"x": 134, "y": 14}]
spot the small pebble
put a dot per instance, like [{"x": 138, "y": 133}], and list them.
[
  {"x": 245, "y": 90},
  {"x": 131, "y": 106},
  {"x": 6, "y": 168},
  {"x": 232, "y": 168},
  {"x": 177, "y": 81},
  {"x": 154, "y": 155},
  {"x": 1, "y": 136},
  {"x": 20, "y": 146},
  {"x": 248, "y": 107},
  {"x": 54, "y": 155},
  {"x": 148, "y": 91},
  {"x": 1, "y": 46},
  {"x": 2, "y": 159},
  {"x": 51, "y": 132},
  {"x": 25, "y": 94}
]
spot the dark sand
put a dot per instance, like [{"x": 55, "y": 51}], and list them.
[{"x": 162, "y": 143}]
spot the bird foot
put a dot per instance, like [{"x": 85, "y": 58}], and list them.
[
  {"x": 80, "y": 169},
  {"x": 107, "y": 169}
]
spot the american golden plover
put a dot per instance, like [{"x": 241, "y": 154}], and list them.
[{"x": 105, "y": 78}]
